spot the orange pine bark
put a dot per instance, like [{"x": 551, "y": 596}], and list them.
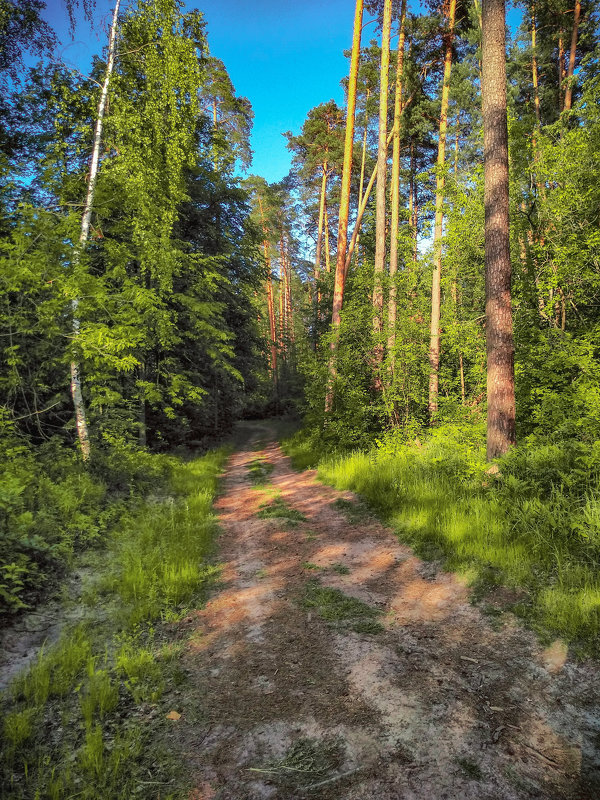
[
  {"x": 342, "y": 242},
  {"x": 394, "y": 226},
  {"x": 380, "y": 204},
  {"x": 436, "y": 293},
  {"x": 572, "y": 56}
]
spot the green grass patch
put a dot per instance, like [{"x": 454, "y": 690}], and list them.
[
  {"x": 77, "y": 722},
  {"x": 340, "y": 610},
  {"x": 534, "y": 528},
  {"x": 259, "y": 471},
  {"x": 278, "y": 509},
  {"x": 341, "y": 569}
]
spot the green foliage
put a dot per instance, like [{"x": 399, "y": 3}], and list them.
[{"x": 76, "y": 721}]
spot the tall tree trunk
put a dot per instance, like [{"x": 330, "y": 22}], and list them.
[
  {"x": 270, "y": 301},
  {"x": 363, "y": 158},
  {"x": 327, "y": 251},
  {"x": 534, "y": 72},
  {"x": 394, "y": 226},
  {"x": 561, "y": 69},
  {"x": 572, "y": 56},
  {"x": 320, "y": 226},
  {"x": 499, "y": 334},
  {"x": 288, "y": 297},
  {"x": 342, "y": 241},
  {"x": 413, "y": 211},
  {"x": 76, "y": 390},
  {"x": 436, "y": 290},
  {"x": 360, "y": 213},
  {"x": 380, "y": 203},
  {"x": 321, "y": 221}
]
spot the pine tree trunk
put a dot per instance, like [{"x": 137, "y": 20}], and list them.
[
  {"x": 413, "y": 211},
  {"x": 534, "y": 70},
  {"x": 380, "y": 203},
  {"x": 394, "y": 225},
  {"x": 327, "y": 252},
  {"x": 363, "y": 161},
  {"x": 561, "y": 69},
  {"x": 317, "y": 293},
  {"x": 499, "y": 335},
  {"x": 76, "y": 390},
  {"x": 342, "y": 241},
  {"x": 270, "y": 302},
  {"x": 572, "y": 56},
  {"x": 436, "y": 286},
  {"x": 361, "y": 211}
]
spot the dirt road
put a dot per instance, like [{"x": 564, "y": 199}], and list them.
[{"x": 332, "y": 663}]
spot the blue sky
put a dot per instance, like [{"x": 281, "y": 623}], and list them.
[{"x": 286, "y": 56}]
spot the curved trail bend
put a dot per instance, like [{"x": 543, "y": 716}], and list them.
[{"x": 428, "y": 702}]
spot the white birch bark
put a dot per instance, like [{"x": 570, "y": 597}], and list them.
[{"x": 76, "y": 392}]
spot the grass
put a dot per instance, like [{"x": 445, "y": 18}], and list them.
[
  {"x": 259, "y": 471},
  {"x": 306, "y": 763},
  {"x": 278, "y": 509},
  {"x": 76, "y": 724},
  {"x": 340, "y": 610},
  {"x": 534, "y": 528}
]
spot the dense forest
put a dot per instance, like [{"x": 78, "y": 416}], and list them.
[{"x": 415, "y": 304}]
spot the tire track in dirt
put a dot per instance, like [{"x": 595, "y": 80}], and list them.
[{"x": 439, "y": 704}]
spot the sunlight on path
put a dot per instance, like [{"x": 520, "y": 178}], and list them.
[{"x": 296, "y": 694}]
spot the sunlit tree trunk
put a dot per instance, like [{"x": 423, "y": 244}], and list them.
[
  {"x": 270, "y": 301},
  {"x": 572, "y": 56},
  {"x": 361, "y": 212},
  {"x": 394, "y": 225},
  {"x": 340, "y": 267},
  {"x": 363, "y": 158},
  {"x": 320, "y": 227},
  {"x": 327, "y": 251},
  {"x": 436, "y": 293},
  {"x": 76, "y": 390},
  {"x": 380, "y": 203},
  {"x": 288, "y": 297},
  {"x": 534, "y": 70},
  {"x": 499, "y": 334}
]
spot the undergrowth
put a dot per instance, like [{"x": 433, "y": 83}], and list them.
[
  {"x": 52, "y": 507},
  {"x": 87, "y": 719},
  {"x": 534, "y": 526}
]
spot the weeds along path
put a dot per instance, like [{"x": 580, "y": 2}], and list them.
[{"x": 332, "y": 663}]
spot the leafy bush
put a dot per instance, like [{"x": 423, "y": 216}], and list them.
[{"x": 51, "y": 506}]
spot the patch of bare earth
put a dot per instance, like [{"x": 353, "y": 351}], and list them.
[{"x": 439, "y": 704}]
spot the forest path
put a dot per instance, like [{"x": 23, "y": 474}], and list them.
[{"x": 300, "y": 691}]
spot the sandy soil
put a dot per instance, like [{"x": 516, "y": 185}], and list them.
[{"x": 440, "y": 704}]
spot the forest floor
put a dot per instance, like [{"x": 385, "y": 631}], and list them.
[{"x": 333, "y": 663}]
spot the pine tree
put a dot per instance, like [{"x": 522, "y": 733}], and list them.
[{"x": 499, "y": 332}]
